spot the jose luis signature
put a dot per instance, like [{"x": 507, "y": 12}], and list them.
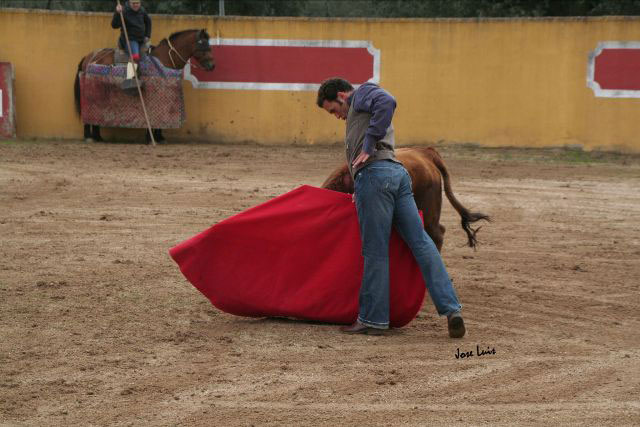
[{"x": 479, "y": 352}]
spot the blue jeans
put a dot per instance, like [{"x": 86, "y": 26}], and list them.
[
  {"x": 384, "y": 198},
  {"x": 135, "y": 47}
]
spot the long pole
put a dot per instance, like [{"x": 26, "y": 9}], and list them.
[{"x": 135, "y": 75}]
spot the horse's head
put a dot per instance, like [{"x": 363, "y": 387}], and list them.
[
  {"x": 202, "y": 51},
  {"x": 175, "y": 50}
]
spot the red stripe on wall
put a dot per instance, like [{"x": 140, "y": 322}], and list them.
[
  {"x": 7, "y": 121},
  {"x": 618, "y": 69},
  {"x": 5, "y": 80},
  {"x": 283, "y": 64}
]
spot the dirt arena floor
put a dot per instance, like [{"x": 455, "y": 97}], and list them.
[{"x": 99, "y": 327}]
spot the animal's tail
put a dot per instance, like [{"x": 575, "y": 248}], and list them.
[
  {"x": 467, "y": 217},
  {"x": 76, "y": 87}
]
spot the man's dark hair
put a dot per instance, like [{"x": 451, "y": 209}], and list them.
[{"x": 329, "y": 89}]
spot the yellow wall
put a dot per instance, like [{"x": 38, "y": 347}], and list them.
[{"x": 513, "y": 82}]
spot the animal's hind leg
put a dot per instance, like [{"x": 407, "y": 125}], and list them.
[
  {"x": 157, "y": 134},
  {"x": 429, "y": 201},
  {"x": 95, "y": 133},
  {"x": 436, "y": 232},
  {"x": 87, "y": 133}
]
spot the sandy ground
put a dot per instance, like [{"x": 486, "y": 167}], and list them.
[{"x": 98, "y": 326}]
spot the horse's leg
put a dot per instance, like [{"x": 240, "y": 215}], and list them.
[
  {"x": 104, "y": 57},
  {"x": 95, "y": 133},
  {"x": 157, "y": 134},
  {"x": 87, "y": 133}
]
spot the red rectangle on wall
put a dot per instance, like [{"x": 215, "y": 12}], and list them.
[
  {"x": 618, "y": 69},
  {"x": 614, "y": 69},
  {"x": 281, "y": 64},
  {"x": 7, "y": 101}
]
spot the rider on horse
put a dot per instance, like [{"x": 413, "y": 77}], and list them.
[{"x": 138, "y": 26}]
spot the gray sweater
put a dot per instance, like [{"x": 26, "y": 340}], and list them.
[{"x": 369, "y": 126}]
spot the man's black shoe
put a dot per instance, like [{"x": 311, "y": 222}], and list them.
[
  {"x": 359, "y": 328},
  {"x": 456, "y": 325}
]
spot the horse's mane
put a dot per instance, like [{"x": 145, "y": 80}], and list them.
[{"x": 173, "y": 36}]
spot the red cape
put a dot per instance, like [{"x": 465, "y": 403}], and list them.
[{"x": 297, "y": 255}]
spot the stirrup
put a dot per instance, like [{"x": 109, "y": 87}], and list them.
[
  {"x": 132, "y": 68},
  {"x": 129, "y": 86}
]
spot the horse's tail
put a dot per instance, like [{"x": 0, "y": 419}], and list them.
[
  {"x": 467, "y": 217},
  {"x": 76, "y": 87}
]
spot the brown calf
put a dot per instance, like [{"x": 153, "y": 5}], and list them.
[{"x": 427, "y": 171}]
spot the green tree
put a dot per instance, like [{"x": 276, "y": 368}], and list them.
[{"x": 358, "y": 8}]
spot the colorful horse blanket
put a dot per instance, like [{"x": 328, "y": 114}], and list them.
[
  {"x": 104, "y": 103},
  {"x": 297, "y": 255}
]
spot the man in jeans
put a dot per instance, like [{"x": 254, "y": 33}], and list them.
[{"x": 384, "y": 198}]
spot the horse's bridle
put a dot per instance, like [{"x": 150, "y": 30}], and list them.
[{"x": 173, "y": 49}]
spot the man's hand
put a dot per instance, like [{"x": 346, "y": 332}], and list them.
[
  {"x": 362, "y": 157},
  {"x": 118, "y": 8}
]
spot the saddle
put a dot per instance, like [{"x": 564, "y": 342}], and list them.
[{"x": 121, "y": 56}]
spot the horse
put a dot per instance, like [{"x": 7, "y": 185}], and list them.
[
  {"x": 427, "y": 171},
  {"x": 173, "y": 52}
]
